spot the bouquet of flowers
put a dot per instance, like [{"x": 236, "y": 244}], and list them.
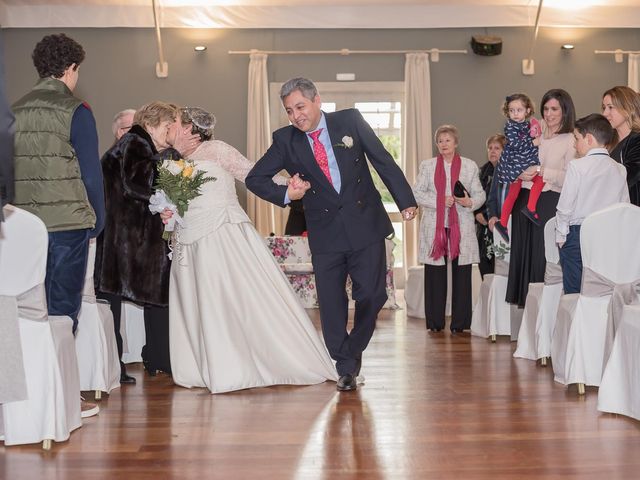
[{"x": 177, "y": 184}]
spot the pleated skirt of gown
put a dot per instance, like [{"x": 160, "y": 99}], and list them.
[{"x": 235, "y": 322}]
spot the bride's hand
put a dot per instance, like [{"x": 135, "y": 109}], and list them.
[
  {"x": 165, "y": 215},
  {"x": 186, "y": 142}
]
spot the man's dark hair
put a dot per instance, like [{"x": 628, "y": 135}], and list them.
[
  {"x": 55, "y": 53},
  {"x": 598, "y": 126}
]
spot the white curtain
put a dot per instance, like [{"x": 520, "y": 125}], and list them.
[
  {"x": 266, "y": 217},
  {"x": 416, "y": 143},
  {"x": 634, "y": 71}
]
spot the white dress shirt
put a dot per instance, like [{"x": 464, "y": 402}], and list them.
[{"x": 592, "y": 183}]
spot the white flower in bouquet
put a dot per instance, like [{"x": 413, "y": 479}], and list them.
[{"x": 174, "y": 167}]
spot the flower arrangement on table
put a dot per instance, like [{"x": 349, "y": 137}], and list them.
[{"x": 177, "y": 184}]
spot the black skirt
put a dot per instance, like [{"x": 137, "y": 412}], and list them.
[{"x": 527, "y": 262}]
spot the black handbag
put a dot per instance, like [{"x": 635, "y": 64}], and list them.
[{"x": 459, "y": 190}]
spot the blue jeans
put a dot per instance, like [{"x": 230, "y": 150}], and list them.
[
  {"x": 571, "y": 261},
  {"x": 66, "y": 268}
]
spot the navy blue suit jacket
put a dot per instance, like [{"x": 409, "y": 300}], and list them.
[{"x": 336, "y": 222}]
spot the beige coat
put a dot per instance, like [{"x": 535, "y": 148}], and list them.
[{"x": 425, "y": 193}]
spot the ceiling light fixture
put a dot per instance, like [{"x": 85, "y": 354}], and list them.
[
  {"x": 567, "y": 46},
  {"x": 199, "y": 48}
]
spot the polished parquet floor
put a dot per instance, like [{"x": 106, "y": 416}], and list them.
[{"x": 434, "y": 406}]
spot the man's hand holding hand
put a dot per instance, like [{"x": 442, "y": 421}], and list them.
[
  {"x": 409, "y": 213},
  {"x": 297, "y": 187}
]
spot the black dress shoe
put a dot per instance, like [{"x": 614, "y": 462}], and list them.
[
  {"x": 151, "y": 370},
  {"x": 124, "y": 378},
  {"x": 435, "y": 330},
  {"x": 346, "y": 383},
  {"x": 456, "y": 330}
]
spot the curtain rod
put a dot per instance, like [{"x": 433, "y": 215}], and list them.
[
  {"x": 435, "y": 52},
  {"x": 618, "y": 54}
]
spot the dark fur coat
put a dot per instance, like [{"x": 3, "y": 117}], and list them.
[{"x": 131, "y": 260}]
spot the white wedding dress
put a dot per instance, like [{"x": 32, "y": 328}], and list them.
[{"x": 234, "y": 321}]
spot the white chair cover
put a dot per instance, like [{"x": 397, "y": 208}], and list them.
[
  {"x": 491, "y": 313},
  {"x": 620, "y": 388},
  {"x": 95, "y": 338},
  {"x": 132, "y": 331},
  {"x": 414, "y": 292},
  {"x": 608, "y": 240},
  {"x": 52, "y": 409},
  {"x": 541, "y": 307}
]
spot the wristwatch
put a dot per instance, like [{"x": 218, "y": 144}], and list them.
[{"x": 538, "y": 168}]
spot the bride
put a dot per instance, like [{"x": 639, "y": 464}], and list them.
[{"x": 234, "y": 321}]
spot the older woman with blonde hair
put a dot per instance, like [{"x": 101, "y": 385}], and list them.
[
  {"x": 448, "y": 190},
  {"x": 621, "y": 106},
  {"x": 131, "y": 260}
]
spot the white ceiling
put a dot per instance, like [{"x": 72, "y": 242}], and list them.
[{"x": 319, "y": 13}]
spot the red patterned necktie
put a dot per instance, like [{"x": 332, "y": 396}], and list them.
[{"x": 321, "y": 154}]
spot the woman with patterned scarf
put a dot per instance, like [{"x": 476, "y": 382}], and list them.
[{"x": 448, "y": 191}]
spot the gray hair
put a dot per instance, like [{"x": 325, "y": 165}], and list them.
[
  {"x": 202, "y": 122},
  {"x": 304, "y": 85},
  {"x": 115, "y": 124}
]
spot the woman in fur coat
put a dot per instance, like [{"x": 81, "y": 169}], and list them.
[{"x": 131, "y": 260}]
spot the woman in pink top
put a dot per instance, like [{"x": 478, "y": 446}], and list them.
[{"x": 556, "y": 150}]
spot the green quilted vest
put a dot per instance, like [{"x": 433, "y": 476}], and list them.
[{"x": 47, "y": 172}]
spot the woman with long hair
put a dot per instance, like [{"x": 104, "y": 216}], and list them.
[{"x": 621, "y": 106}]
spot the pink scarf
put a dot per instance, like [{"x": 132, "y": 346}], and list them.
[{"x": 440, "y": 240}]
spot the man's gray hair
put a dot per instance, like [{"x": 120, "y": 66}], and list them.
[
  {"x": 304, "y": 85},
  {"x": 115, "y": 124}
]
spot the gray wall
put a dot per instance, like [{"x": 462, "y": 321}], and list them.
[{"x": 467, "y": 90}]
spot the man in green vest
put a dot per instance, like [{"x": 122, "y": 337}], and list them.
[{"x": 58, "y": 176}]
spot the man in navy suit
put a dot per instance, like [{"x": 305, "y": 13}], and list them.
[{"x": 346, "y": 220}]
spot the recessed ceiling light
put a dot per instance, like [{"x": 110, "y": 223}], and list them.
[
  {"x": 200, "y": 48},
  {"x": 568, "y": 46}
]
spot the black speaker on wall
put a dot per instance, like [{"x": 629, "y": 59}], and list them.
[{"x": 486, "y": 45}]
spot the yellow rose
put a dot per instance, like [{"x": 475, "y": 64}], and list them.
[
  {"x": 181, "y": 163},
  {"x": 187, "y": 171}
]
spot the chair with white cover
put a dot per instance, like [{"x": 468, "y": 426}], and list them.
[
  {"x": 610, "y": 278},
  {"x": 95, "y": 338},
  {"x": 132, "y": 331},
  {"x": 620, "y": 387},
  {"x": 51, "y": 408},
  {"x": 491, "y": 313},
  {"x": 541, "y": 307}
]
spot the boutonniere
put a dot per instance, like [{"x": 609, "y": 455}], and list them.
[{"x": 347, "y": 142}]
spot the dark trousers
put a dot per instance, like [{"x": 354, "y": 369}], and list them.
[
  {"x": 155, "y": 353},
  {"x": 115, "y": 302},
  {"x": 367, "y": 269},
  {"x": 66, "y": 268},
  {"x": 571, "y": 261},
  {"x": 435, "y": 295}
]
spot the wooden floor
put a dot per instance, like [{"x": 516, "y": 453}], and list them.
[{"x": 434, "y": 406}]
